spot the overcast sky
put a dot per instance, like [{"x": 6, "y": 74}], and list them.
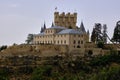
[{"x": 20, "y": 17}]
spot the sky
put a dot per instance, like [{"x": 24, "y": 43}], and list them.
[{"x": 18, "y": 18}]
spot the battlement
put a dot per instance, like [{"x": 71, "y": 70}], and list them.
[{"x": 67, "y": 20}]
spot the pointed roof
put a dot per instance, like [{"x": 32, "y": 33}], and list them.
[
  {"x": 44, "y": 26},
  {"x": 41, "y": 30},
  {"x": 52, "y": 24},
  {"x": 70, "y": 31},
  {"x": 82, "y": 28}
]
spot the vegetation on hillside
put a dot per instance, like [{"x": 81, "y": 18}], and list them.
[{"x": 101, "y": 67}]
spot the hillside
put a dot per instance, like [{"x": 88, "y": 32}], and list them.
[{"x": 33, "y": 67}]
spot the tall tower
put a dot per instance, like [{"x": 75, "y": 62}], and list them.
[{"x": 66, "y": 20}]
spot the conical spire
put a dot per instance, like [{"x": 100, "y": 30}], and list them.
[
  {"x": 44, "y": 26},
  {"x": 82, "y": 28},
  {"x": 52, "y": 24},
  {"x": 41, "y": 30}
]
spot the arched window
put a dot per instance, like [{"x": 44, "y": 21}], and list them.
[
  {"x": 78, "y": 41},
  {"x": 74, "y": 42},
  {"x": 81, "y": 42},
  {"x": 64, "y": 41},
  {"x": 78, "y": 46}
]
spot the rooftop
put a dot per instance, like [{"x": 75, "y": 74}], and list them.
[{"x": 70, "y": 31}]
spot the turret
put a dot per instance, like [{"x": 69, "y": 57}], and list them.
[
  {"x": 44, "y": 26},
  {"x": 82, "y": 28},
  {"x": 52, "y": 24}
]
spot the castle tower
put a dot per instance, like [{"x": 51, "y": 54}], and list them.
[
  {"x": 66, "y": 20},
  {"x": 82, "y": 28}
]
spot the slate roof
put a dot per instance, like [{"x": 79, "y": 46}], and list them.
[
  {"x": 82, "y": 28},
  {"x": 57, "y": 27},
  {"x": 70, "y": 31}
]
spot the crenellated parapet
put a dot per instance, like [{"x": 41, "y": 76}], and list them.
[{"x": 67, "y": 20}]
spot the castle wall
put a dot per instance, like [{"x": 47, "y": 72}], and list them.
[{"x": 66, "y": 20}]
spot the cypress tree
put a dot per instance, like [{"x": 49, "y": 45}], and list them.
[{"x": 116, "y": 34}]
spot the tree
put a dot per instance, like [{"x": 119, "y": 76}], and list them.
[
  {"x": 42, "y": 73},
  {"x": 100, "y": 44},
  {"x": 29, "y": 39},
  {"x": 3, "y": 74},
  {"x": 96, "y": 33},
  {"x": 116, "y": 34},
  {"x": 111, "y": 73},
  {"x": 3, "y": 47},
  {"x": 93, "y": 36}
]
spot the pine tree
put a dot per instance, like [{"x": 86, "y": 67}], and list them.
[
  {"x": 93, "y": 36},
  {"x": 116, "y": 34}
]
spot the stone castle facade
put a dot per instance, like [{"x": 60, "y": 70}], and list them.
[{"x": 63, "y": 32}]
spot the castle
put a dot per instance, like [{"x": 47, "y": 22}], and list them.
[{"x": 63, "y": 31}]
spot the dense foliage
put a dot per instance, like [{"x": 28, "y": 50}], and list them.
[
  {"x": 105, "y": 67},
  {"x": 3, "y": 47},
  {"x": 101, "y": 67},
  {"x": 116, "y": 34}
]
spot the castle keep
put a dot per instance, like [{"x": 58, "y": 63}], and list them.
[{"x": 67, "y": 20}]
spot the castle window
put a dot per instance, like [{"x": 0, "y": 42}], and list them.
[
  {"x": 54, "y": 42},
  {"x": 64, "y": 41},
  {"x": 74, "y": 42},
  {"x": 58, "y": 42},
  {"x": 78, "y": 46},
  {"x": 79, "y": 42},
  {"x": 78, "y": 35}
]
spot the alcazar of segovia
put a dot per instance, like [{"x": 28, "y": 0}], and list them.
[{"x": 65, "y": 32}]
